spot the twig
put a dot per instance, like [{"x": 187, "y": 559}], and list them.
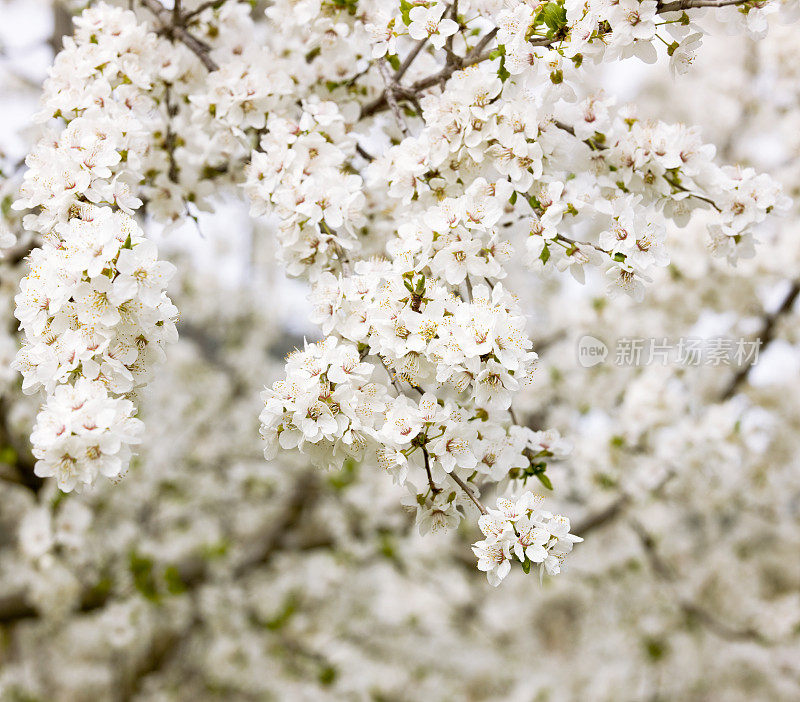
[
  {"x": 602, "y": 517},
  {"x": 679, "y": 5},
  {"x": 202, "y": 8},
  {"x": 410, "y": 92},
  {"x": 389, "y": 92},
  {"x": 595, "y": 146},
  {"x": 409, "y": 60},
  {"x": 469, "y": 492},
  {"x": 170, "y": 137},
  {"x": 448, "y": 45},
  {"x": 177, "y": 31},
  {"x": 484, "y": 42},
  {"x": 194, "y": 572},
  {"x": 435, "y": 490},
  {"x": 364, "y": 154},
  {"x": 766, "y": 336},
  {"x": 476, "y": 56}
]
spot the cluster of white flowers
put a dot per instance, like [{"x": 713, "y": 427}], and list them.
[
  {"x": 326, "y": 407},
  {"x": 212, "y": 550},
  {"x": 298, "y": 173},
  {"x": 503, "y": 154},
  {"x": 93, "y": 306},
  {"x": 520, "y": 529},
  {"x": 577, "y": 167},
  {"x": 497, "y": 149},
  {"x": 241, "y": 93},
  {"x": 84, "y": 431},
  {"x": 578, "y": 29},
  {"x": 464, "y": 359},
  {"x": 95, "y": 317},
  {"x": 98, "y": 94},
  {"x": 329, "y": 409}
]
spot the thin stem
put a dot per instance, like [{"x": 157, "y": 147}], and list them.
[
  {"x": 599, "y": 147},
  {"x": 469, "y": 492},
  {"x": 392, "y": 376},
  {"x": 483, "y": 43},
  {"x": 202, "y": 8},
  {"x": 390, "y": 96},
  {"x": 409, "y": 60},
  {"x": 364, "y": 154},
  {"x": 435, "y": 490},
  {"x": 679, "y": 5},
  {"x": 448, "y": 45}
]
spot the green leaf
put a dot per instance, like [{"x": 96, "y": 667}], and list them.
[
  {"x": 141, "y": 568},
  {"x": 351, "y": 6},
  {"x": 498, "y": 52},
  {"x": 405, "y": 11},
  {"x": 544, "y": 480},
  {"x": 345, "y": 477},
  {"x": 536, "y": 206},
  {"x": 216, "y": 549},
  {"x": 387, "y": 547},
  {"x": 554, "y": 16},
  {"x": 502, "y": 73},
  {"x": 173, "y": 580},
  {"x": 327, "y": 675},
  {"x": 284, "y": 615},
  {"x": 656, "y": 649},
  {"x": 544, "y": 257}
]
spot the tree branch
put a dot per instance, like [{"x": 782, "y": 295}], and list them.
[
  {"x": 679, "y": 5},
  {"x": 173, "y": 26},
  {"x": 477, "y": 55},
  {"x": 466, "y": 488},
  {"x": 664, "y": 572},
  {"x": 766, "y": 335}
]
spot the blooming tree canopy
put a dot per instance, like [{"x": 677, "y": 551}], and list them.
[
  {"x": 460, "y": 197},
  {"x": 405, "y": 250}
]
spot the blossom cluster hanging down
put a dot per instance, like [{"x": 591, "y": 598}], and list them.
[
  {"x": 93, "y": 306},
  {"x": 521, "y": 530}
]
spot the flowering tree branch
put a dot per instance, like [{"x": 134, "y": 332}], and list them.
[{"x": 407, "y": 257}]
